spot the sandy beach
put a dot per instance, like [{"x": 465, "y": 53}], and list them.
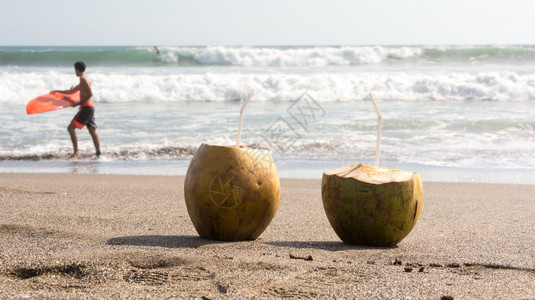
[{"x": 107, "y": 236}]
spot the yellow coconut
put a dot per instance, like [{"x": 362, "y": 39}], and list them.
[
  {"x": 231, "y": 193},
  {"x": 371, "y": 206}
]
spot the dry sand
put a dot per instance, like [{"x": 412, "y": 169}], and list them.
[{"x": 103, "y": 236}]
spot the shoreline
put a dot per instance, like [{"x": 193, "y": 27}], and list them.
[
  {"x": 288, "y": 169},
  {"x": 122, "y": 236}
]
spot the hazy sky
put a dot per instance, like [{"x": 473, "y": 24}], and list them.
[{"x": 258, "y": 22}]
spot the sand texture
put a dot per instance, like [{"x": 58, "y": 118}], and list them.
[{"x": 106, "y": 237}]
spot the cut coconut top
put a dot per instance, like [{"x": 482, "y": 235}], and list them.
[{"x": 369, "y": 174}]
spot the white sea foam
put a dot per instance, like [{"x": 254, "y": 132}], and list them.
[
  {"x": 307, "y": 56},
  {"x": 18, "y": 88},
  {"x": 478, "y": 135}
]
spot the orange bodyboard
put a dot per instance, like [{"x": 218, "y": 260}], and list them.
[{"x": 52, "y": 101}]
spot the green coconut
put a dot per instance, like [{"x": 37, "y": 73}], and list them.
[
  {"x": 372, "y": 206},
  {"x": 232, "y": 193}
]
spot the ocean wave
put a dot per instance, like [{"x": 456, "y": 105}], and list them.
[
  {"x": 66, "y": 57},
  {"x": 313, "y": 56},
  {"x": 213, "y": 55},
  {"x": 306, "y": 150},
  {"x": 480, "y": 54},
  {"x": 19, "y": 87},
  {"x": 290, "y": 56},
  {"x": 119, "y": 153}
]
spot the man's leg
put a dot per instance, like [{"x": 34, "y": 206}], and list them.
[
  {"x": 74, "y": 140},
  {"x": 93, "y": 132}
]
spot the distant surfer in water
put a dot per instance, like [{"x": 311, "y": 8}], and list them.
[
  {"x": 157, "y": 51},
  {"x": 86, "y": 114}
]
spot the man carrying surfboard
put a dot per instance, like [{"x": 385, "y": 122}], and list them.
[{"x": 86, "y": 114}]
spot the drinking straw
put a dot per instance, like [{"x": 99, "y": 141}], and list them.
[
  {"x": 379, "y": 125},
  {"x": 241, "y": 117}
]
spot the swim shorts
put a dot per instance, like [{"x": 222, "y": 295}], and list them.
[{"x": 86, "y": 116}]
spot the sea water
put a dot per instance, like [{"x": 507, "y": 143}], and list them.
[{"x": 451, "y": 113}]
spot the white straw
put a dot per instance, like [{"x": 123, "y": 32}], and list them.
[
  {"x": 379, "y": 124},
  {"x": 241, "y": 117}
]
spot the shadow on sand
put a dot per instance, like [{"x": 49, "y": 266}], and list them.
[
  {"x": 191, "y": 241},
  {"x": 168, "y": 241},
  {"x": 322, "y": 245}
]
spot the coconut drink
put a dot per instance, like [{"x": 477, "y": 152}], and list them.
[
  {"x": 232, "y": 192},
  {"x": 372, "y": 206}
]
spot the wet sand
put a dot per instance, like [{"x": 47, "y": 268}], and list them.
[{"x": 104, "y": 236}]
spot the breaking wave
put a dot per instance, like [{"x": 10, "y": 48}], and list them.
[
  {"x": 134, "y": 153},
  {"x": 19, "y": 88},
  {"x": 276, "y": 56}
]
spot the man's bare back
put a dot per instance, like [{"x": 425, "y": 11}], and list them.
[{"x": 86, "y": 92}]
